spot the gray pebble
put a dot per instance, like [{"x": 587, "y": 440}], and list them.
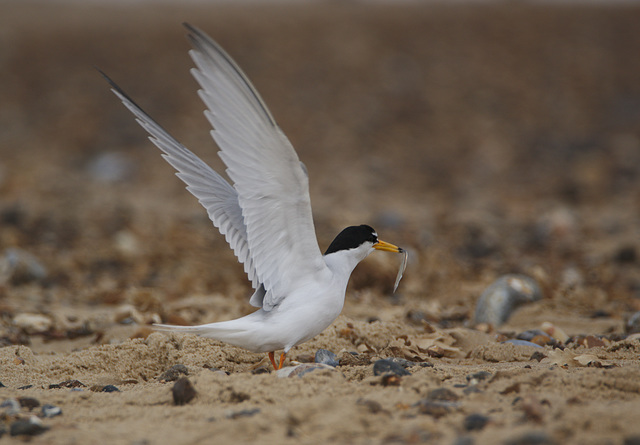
[
  {"x": 243, "y": 413},
  {"x": 475, "y": 422},
  {"x": 521, "y": 343},
  {"x": 436, "y": 408},
  {"x": 183, "y": 391},
  {"x": 27, "y": 427},
  {"x": 50, "y": 410},
  {"x": 477, "y": 377},
  {"x": 501, "y": 298},
  {"x": 172, "y": 374},
  {"x": 28, "y": 402},
  {"x": 11, "y": 407},
  {"x": 442, "y": 394},
  {"x": 531, "y": 438},
  {"x": 633, "y": 324},
  {"x": 387, "y": 366},
  {"x": 110, "y": 167},
  {"x": 303, "y": 369},
  {"x": 326, "y": 357},
  {"x": 110, "y": 388},
  {"x": 18, "y": 266}
]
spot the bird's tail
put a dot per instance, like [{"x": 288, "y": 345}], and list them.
[{"x": 217, "y": 331}]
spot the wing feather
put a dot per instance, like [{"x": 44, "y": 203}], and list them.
[{"x": 272, "y": 186}]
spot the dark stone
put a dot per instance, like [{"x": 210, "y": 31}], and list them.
[
  {"x": 183, "y": 391},
  {"x": 68, "y": 384},
  {"x": 387, "y": 366},
  {"x": 27, "y": 427},
  {"x": 531, "y": 438},
  {"x": 436, "y": 408},
  {"x": 475, "y": 422},
  {"x": 110, "y": 388},
  {"x": 479, "y": 376},
  {"x": 443, "y": 394},
  {"x": 28, "y": 402},
  {"x": 537, "y": 356},
  {"x": 172, "y": 374}
]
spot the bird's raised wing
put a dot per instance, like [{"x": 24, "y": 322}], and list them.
[
  {"x": 272, "y": 187},
  {"x": 212, "y": 190}
]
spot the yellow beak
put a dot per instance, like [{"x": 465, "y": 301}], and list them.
[{"x": 387, "y": 247}]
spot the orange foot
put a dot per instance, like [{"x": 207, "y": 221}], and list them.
[{"x": 273, "y": 360}]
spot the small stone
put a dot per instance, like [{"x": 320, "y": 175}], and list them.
[
  {"x": 503, "y": 296},
  {"x": 631, "y": 440},
  {"x": 2, "y": 385},
  {"x": 33, "y": 323},
  {"x": 111, "y": 167},
  {"x": 183, "y": 391},
  {"x": 326, "y": 357},
  {"x": 633, "y": 324},
  {"x": 464, "y": 440},
  {"x": 243, "y": 413},
  {"x": 29, "y": 402},
  {"x": 475, "y": 422},
  {"x": 172, "y": 374},
  {"x": 532, "y": 438},
  {"x": 387, "y": 366},
  {"x": 538, "y": 356},
  {"x": 517, "y": 342},
  {"x": 436, "y": 408},
  {"x": 109, "y": 388},
  {"x": 302, "y": 369},
  {"x": 475, "y": 378},
  {"x": 626, "y": 255},
  {"x": 442, "y": 394},
  {"x": 50, "y": 410},
  {"x": 371, "y": 405},
  {"x": 27, "y": 427},
  {"x": 68, "y": 384},
  {"x": 391, "y": 380},
  {"x": 11, "y": 407},
  {"x": 18, "y": 267},
  {"x": 25, "y": 387}
]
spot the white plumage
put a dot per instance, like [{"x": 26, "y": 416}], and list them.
[{"x": 265, "y": 216}]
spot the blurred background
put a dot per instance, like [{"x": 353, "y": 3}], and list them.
[{"x": 486, "y": 138}]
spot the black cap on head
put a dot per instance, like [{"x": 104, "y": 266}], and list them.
[{"x": 352, "y": 237}]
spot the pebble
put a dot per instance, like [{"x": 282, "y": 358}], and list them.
[
  {"x": 532, "y": 438},
  {"x": 436, "y": 408},
  {"x": 110, "y": 167},
  {"x": 109, "y": 388},
  {"x": 68, "y": 384},
  {"x": 442, "y": 394},
  {"x": 243, "y": 413},
  {"x": 27, "y": 427},
  {"x": 326, "y": 357},
  {"x": 172, "y": 374},
  {"x": 29, "y": 402},
  {"x": 388, "y": 366},
  {"x": 183, "y": 391},
  {"x": 522, "y": 343},
  {"x": 17, "y": 266},
  {"x": 503, "y": 296},
  {"x": 537, "y": 336},
  {"x": 302, "y": 369},
  {"x": 477, "y": 377},
  {"x": 33, "y": 323},
  {"x": 50, "y": 410},
  {"x": 475, "y": 422},
  {"x": 633, "y": 324},
  {"x": 11, "y": 407}
]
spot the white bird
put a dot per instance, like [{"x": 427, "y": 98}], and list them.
[{"x": 265, "y": 216}]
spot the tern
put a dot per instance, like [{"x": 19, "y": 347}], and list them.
[{"x": 265, "y": 215}]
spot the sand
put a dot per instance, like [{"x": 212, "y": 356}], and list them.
[{"x": 485, "y": 139}]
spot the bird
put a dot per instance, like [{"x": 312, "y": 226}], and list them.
[{"x": 265, "y": 214}]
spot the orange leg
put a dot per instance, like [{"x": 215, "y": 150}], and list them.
[{"x": 273, "y": 360}]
